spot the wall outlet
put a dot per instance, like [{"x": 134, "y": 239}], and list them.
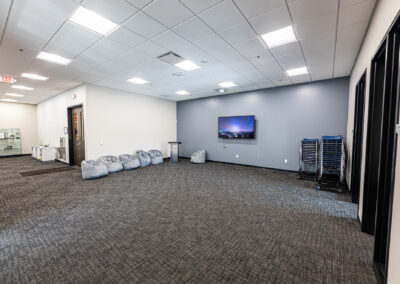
[
  {"x": 285, "y": 161},
  {"x": 224, "y": 146},
  {"x": 237, "y": 156}
]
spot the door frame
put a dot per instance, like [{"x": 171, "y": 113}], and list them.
[
  {"x": 358, "y": 137},
  {"x": 369, "y": 199},
  {"x": 70, "y": 133}
]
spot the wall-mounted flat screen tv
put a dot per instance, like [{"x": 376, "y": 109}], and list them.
[{"x": 236, "y": 127}]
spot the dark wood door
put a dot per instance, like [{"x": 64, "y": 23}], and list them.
[
  {"x": 78, "y": 136},
  {"x": 357, "y": 140}
]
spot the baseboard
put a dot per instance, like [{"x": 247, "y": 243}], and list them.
[
  {"x": 16, "y": 155},
  {"x": 251, "y": 166}
]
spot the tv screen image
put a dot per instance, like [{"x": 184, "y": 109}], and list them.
[{"x": 236, "y": 127}]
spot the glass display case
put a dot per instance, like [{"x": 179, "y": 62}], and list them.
[{"x": 10, "y": 141}]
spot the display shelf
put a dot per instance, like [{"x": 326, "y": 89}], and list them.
[{"x": 10, "y": 141}]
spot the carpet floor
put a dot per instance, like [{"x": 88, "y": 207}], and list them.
[{"x": 176, "y": 223}]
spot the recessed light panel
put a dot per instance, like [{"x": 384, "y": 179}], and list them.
[
  {"x": 279, "y": 37},
  {"x": 53, "y": 58},
  {"x": 14, "y": 95},
  {"x": 22, "y": 87},
  {"x": 9, "y": 100},
  {"x": 182, "y": 93},
  {"x": 92, "y": 21},
  {"x": 228, "y": 84},
  {"x": 34, "y": 76},
  {"x": 187, "y": 65},
  {"x": 137, "y": 80},
  {"x": 297, "y": 71}
]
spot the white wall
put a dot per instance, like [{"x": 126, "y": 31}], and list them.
[
  {"x": 384, "y": 15},
  {"x": 23, "y": 116},
  {"x": 120, "y": 122},
  {"x": 52, "y": 116}
]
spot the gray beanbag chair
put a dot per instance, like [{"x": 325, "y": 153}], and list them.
[
  {"x": 92, "y": 169},
  {"x": 129, "y": 161},
  {"x": 156, "y": 157},
  {"x": 199, "y": 157},
  {"x": 144, "y": 158},
  {"x": 112, "y": 163}
]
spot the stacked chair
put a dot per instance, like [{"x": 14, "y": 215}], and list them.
[{"x": 324, "y": 161}]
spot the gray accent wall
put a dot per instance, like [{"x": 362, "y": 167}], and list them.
[{"x": 284, "y": 115}]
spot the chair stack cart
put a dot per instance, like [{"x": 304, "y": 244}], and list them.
[
  {"x": 332, "y": 162},
  {"x": 308, "y": 159}
]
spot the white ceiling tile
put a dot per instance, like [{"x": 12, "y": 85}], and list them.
[
  {"x": 357, "y": 13},
  {"x": 198, "y": 6},
  {"x": 42, "y": 67},
  {"x": 4, "y": 8},
  {"x": 222, "y": 16},
  {"x": 319, "y": 41},
  {"x": 254, "y": 50},
  {"x": 139, "y": 3},
  {"x": 346, "y": 53},
  {"x": 14, "y": 62},
  {"x": 238, "y": 33},
  {"x": 152, "y": 49},
  {"x": 352, "y": 31},
  {"x": 126, "y": 37},
  {"x": 279, "y": 79},
  {"x": 58, "y": 8},
  {"x": 316, "y": 26},
  {"x": 304, "y": 10},
  {"x": 31, "y": 21},
  {"x": 130, "y": 58},
  {"x": 211, "y": 43},
  {"x": 177, "y": 13},
  {"x": 116, "y": 11},
  {"x": 301, "y": 79},
  {"x": 254, "y": 8},
  {"x": 170, "y": 40},
  {"x": 103, "y": 50},
  {"x": 290, "y": 61},
  {"x": 290, "y": 48},
  {"x": 71, "y": 40},
  {"x": 193, "y": 29},
  {"x": 347, "y": 3},
  {"x": 144, "y": 25},
  {"x": 273, "y": 20}
]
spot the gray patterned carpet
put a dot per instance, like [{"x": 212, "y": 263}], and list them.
[{"x": 176, "y": 223}]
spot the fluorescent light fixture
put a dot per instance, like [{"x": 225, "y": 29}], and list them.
[
  {"x": 182, "y": 93},
  {"x": 53, "y": 58},
  {"x": 228, "y": 84},
  {"x": 9, "y": 100},
  {"x": 187, "y": 65},
  {"x": 279, "y": 37},
  {"x": 137, "y": 80},
  {"x": 92, "y": 21},
  {"x": 297, "y": 71},
  {"x": 22, "y": 87},
  {"x": 14, "y": 95},
  {"x": 34, "y": 76},
  {"x": 221, "y": 90}
]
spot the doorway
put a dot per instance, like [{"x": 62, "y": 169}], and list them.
[
  {"x": 357, "y": 140},
  {"x": 374, "y": 140},
  {"x": 76, "y": 137}
]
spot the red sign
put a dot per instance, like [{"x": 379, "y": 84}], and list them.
[{"x": 7, "y": 79}]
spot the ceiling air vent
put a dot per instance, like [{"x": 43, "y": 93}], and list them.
[{"x": 170, "y": 58}]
